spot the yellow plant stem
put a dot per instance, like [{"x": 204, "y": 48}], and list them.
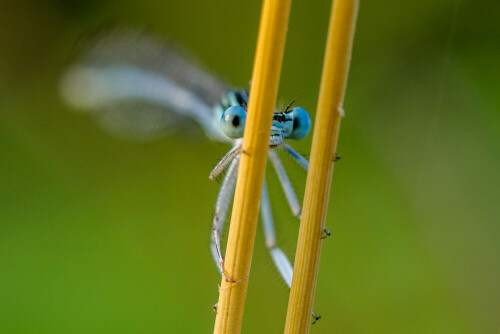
[
  {"x": 326, "y": 129},
  {"x": 263, "y": 93}
]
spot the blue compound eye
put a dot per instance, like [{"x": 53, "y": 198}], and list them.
[
  {"x": 301, "y": 123},
  {"x": 233, "y": 121}
]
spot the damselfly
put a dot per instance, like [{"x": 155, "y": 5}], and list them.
[{"x": 138, "y": 87}]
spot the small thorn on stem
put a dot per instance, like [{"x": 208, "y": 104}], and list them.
[
  {"x": 327, "y": 233},
  {"x": 316, "y": 318}
]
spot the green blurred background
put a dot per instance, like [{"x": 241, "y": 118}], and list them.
[{"x": 99, "y": 235}]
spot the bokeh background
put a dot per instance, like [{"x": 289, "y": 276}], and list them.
[{"x": 100, "y": 235}]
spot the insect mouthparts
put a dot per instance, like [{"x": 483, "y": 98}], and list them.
[{"x": 281, "y": 117}]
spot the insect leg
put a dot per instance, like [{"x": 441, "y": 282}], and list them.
[
  {"x": 291, "y": 197},
  {"x": 296, "y": 156},
  {"x": 221, "y": 208},
  {"x": 225, "y": 161},
  {"x": 279, "y": 258},
  {"x": 305, "y": 164}
]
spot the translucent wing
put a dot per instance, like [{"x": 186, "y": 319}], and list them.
[{"x": 141, "y": 88}]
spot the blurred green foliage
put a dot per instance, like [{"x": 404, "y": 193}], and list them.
[{"x": 99, "y": 235}]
